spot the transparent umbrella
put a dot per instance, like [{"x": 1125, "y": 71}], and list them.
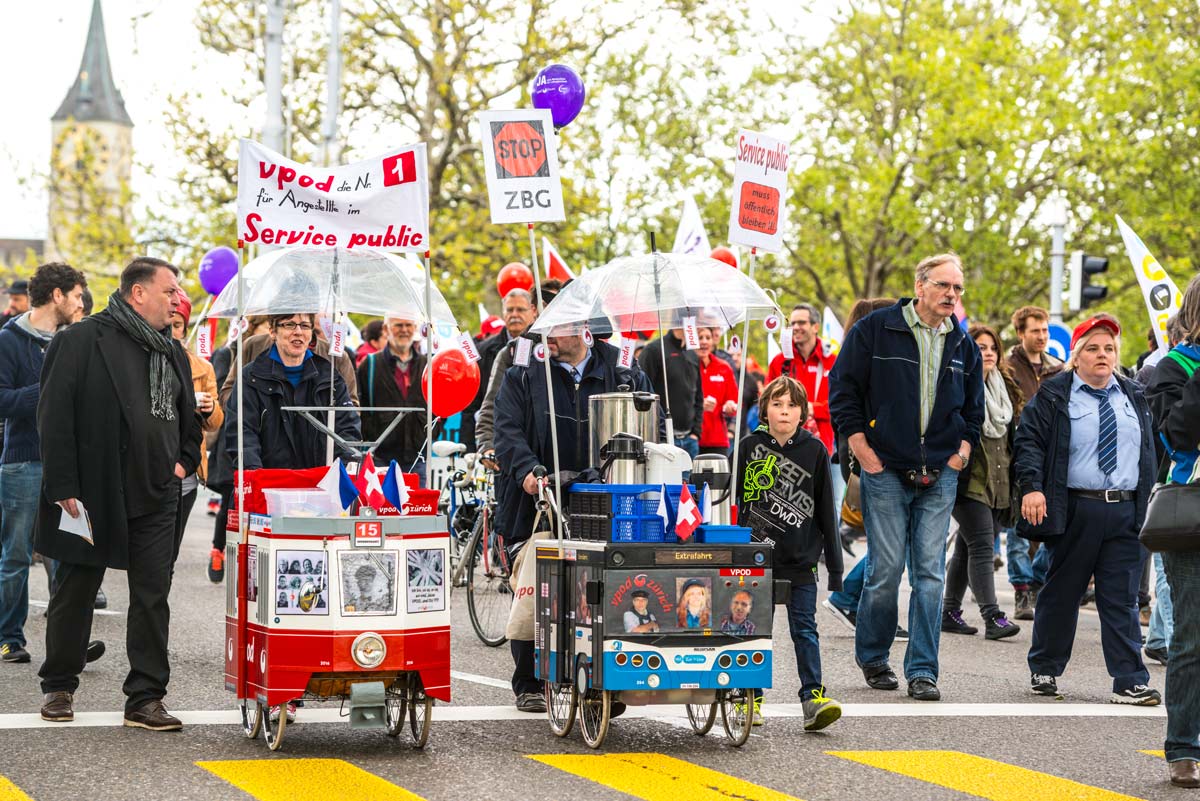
[
  {"x": 327, "y": 281},
  {"x": 655, "y": 290}
]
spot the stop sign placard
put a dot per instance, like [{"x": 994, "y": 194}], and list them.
[{"x": 520, "y": 149}]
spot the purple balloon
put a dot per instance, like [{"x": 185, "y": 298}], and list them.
[
  {"x": 218, "y": 268},
  {"x": 560, "y": 89}
]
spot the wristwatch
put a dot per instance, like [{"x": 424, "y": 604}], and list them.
[{"x": 964, "y": 458}]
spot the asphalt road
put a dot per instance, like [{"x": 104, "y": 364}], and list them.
[{"x": 989, "y": 738}]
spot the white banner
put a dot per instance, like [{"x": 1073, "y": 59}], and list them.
[
  {"x": 831, "y": 333},
  {"x": 337, "y": 340},
  {"x": 1162, "y": 297},
  {"x": 690, "y": 237},
  {"x": 380, "y": 203},
  {"x": 521, "y": 164},
  {"x": 757, "y": 213},
  {"x": 467, "y": 346}
]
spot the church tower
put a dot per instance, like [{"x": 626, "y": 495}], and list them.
[{"x": 91, "y": 159}]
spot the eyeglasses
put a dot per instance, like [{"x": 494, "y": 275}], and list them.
[
  {"x": 942, "y": 286},
  {"x": 291, "y": 325}
]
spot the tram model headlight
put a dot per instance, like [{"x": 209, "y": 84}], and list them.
[
  {"x": 368, "y": 650},
  {"x": 743, "y": 660},
  {"x": 757, "y": 658},
  {"x": 621, "y": 658},
  {"x": 653, "y": 680},
  {"x": 636, "y": 660},
  {"x": 618, "y": 558},
  {"x": 723, "y": 679},
  {"x": 724, "y": 661},
  {"x": 759, "y": 557},
  {"x": 654, "y": 662}
]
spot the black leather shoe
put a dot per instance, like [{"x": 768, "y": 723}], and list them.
[
  {"x": 101, "y": 600},
  {"x": 923, "y": 689},
  {"x": 95, "y": 650},
  {"x": 881, "y": 678},
  {"x": 153, "y": 715},
  {"x": 57, "y": 706}
]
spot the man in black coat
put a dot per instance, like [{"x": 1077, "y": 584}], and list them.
[
  {"x": 682, "y": 381},
  {"x": 519, "y": 314},
  {"x": 117, "y": 424},
  {"x": 523, "y": 441}
]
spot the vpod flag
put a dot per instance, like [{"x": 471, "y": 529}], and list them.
[
  {"x": 691, "y": 237},
  {"x": 1163, "y": 298}
]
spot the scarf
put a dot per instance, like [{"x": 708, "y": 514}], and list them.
[
  {"x": 158, "y": 345},
  {"x": 998, "y": 406}
]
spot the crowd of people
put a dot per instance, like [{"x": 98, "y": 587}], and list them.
[{"x": 928, "y": 437}]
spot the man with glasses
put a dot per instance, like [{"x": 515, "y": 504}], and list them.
[
  {"x": 907, "y": 391},
  {"x": 519, "y": 313},
  {"x": 392, "y": 377},
  {"x": 810, "y": 366}
]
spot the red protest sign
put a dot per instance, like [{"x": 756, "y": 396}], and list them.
[
  {"x": 758, "y": 208},
  {"x": 520, "y": 149}
]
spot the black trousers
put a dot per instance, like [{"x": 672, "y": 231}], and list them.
[
  {"x": 186, "y": 502},
  {"x": 69, "y": 617},
  {"x": 219, "y": 531}
]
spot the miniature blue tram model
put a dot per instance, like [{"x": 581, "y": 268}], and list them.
[{"x": 643, "y": 623}]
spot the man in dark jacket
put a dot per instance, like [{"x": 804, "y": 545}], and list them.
[
  {"x": 682, "y": 381},
  {"x": 519, "y": 314},
  {"x": 56, "y": 291},
  {"x": 907, "y": 392},
  {"x": 392, "y": 378},
  {"x": 117, "y": 422},
  {"x": 523, "y": 441},
  {"x": 288, "y": 374}
]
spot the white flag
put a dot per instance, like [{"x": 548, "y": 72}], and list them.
[
  {"x": 832, "y": 333},
  {"x": 1162, "y": 297},
  {"x": 690, "y": 236}
]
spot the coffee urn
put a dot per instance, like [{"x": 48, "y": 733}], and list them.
[{"x": 621, "y": 412}]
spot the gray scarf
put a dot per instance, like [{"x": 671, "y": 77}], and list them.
[
  {"x": 998, "y": 406},
  {"x": 159, "y": 346}
]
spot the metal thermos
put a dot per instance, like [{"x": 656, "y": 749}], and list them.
[
  {"x": 623, "y": 460},
  {"x": 612, "y": 413},
  {"x": 713, "y": 469}
]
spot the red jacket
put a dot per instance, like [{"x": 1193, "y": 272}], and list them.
[
  {"x": 813, "y": 375},
  {"x": 717, "y": 381}
]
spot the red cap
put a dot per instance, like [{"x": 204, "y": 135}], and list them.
[
  {"x": 1092, "y": 322},
  {"x": 490, "y": 326},
  {"x": 184, "y": 308}
]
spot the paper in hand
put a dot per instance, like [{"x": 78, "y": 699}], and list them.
[{"x": 79, "y": 526}]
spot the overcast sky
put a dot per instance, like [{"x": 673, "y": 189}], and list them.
[{"x": 155, "y": 50}]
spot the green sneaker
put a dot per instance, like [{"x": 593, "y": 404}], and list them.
[
  {"x": 820, "y": 711},
  {"x": 758, "y": 715}
]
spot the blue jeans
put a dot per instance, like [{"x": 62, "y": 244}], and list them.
[
  {"x": 692, "y": 446},
  {"x": 1020, "y": 571},
  {"x": 1183, "y": 659},
  {"x": 802, "y": 620},
  {"x": 904, "y": 525},
  {"x": 20, "y": 487},
  {"x": 848, "y": 596},
  {"x": 1162, "y": 619}
]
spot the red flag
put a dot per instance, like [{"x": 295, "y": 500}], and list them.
[
  {"x": 367, "y": 483},
  {"x": 555, "y": 266},
  {"x": 687, "y": 516}
]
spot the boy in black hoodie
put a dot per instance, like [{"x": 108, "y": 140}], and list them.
[{"x": 786, "y": 498}]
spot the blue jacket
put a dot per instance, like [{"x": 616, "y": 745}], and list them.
[
  {"x": 1043, "y": 450},
  {"x": 875, "y": 389},
  {"x": 522, "y": 435},
  {"x": 21, "y": 357}
]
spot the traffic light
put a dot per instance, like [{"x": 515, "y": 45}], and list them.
[{"x": 1083, "y": 267}]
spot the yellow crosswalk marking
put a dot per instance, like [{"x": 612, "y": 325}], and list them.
[
  {"x": 11, "y": 792},
  {"x": 656, "y": 777},
  {"x": 985, "y": 778},
  {"x": 305, "y": 780},
  {"x": 1159, "y": 754}
]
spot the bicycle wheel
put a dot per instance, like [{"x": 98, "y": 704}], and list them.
[
  {"x": 561, "y": 700},
  {"x": 737, "y": 715},
  {"x": 465, "y": 519},
  {"x": 420, "y": 714},
  {"x": 273, "y": 729},
  {"x": 252, "y": 715},
  {"x": 702, "y": 717},
  {"x": 397, "y": 709},
  {"x": 489, "y": 594},
  {"x": 595, "y": 710}
]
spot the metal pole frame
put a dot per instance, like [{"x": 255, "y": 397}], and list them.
[
  {"x": 737, "y": 424},
  {"x": 537, "y": 285}
]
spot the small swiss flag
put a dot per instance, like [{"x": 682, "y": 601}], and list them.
[
  {"x": 555, "y": 266},
  {"x": 687, "y": 516},
  {"x": 400, "y": 169},
  {"x": 367, "y": 482}
]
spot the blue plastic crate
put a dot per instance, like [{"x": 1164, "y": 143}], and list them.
[
  {"x": 722, "y": 534},
  {"x": 637, "y": 528},
  {"x": 613, "y": 499},
  {"x": 649, "y": 503}
]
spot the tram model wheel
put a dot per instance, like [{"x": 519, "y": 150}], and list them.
[
  {"x": 489, "y": 592},
  {"x": 595, "y": 709},
  {"x": 397, "y": 709},
  {"x": 561, "y": 701},
  {"x": 737, "y": 715},
  {"x": 252, "y": 717},
  {"x": 702, "y": 717},
  {"x": 420, "y": 713},
  {"x": 273, "y": 730}
]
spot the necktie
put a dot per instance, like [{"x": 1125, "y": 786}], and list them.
[
  {"x": 1106, "y": 447},
  {"x": 575, "y": 374}
]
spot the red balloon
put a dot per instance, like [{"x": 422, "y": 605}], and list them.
[
  {"x": 726, "y": 255},
  {"x": 514, "y": 276},
  {"x": 455, "y": 382}
]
